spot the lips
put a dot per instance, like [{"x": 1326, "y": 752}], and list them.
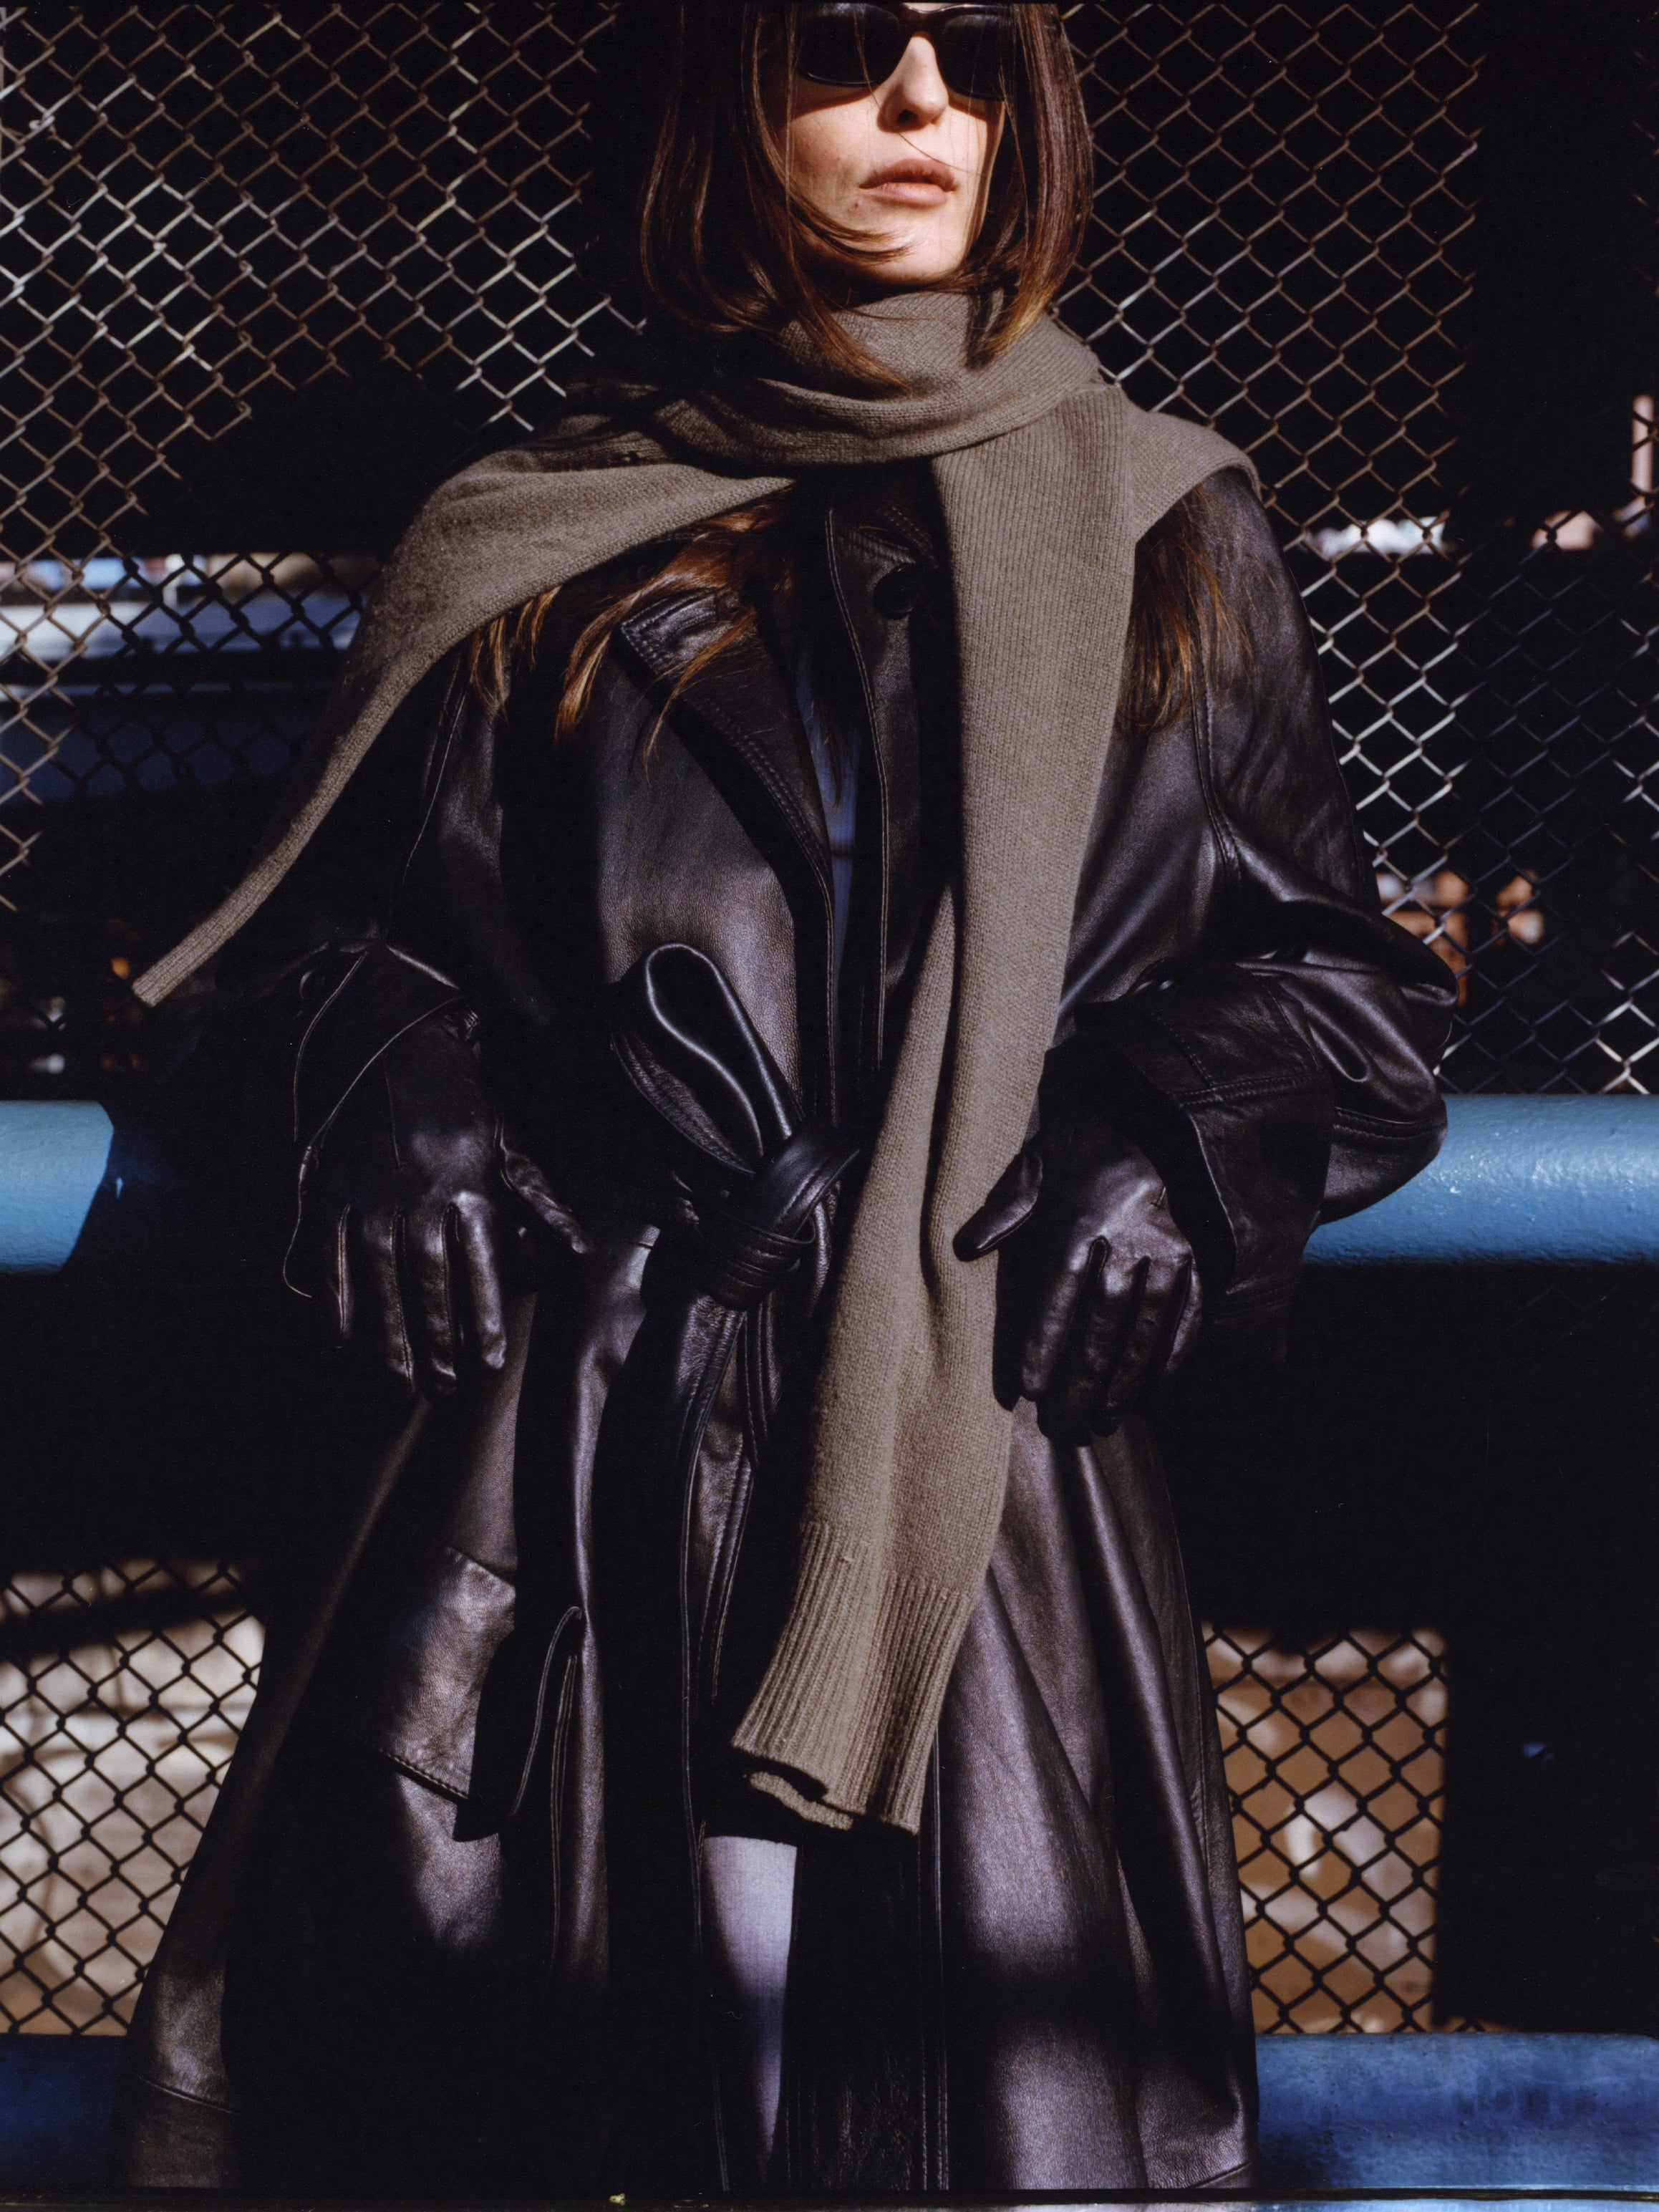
[{"x": 915, "y": 169}]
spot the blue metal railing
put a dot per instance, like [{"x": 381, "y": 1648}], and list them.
[
  {"x": 1534, "y": 1181},
  {"x": 1341, "y": 2115},
  {"x": 53, "y": 1158}
]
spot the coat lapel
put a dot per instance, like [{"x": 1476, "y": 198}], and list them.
[
  {"x": 742, "y": 698},
  {"x": 737, "y": 716}
]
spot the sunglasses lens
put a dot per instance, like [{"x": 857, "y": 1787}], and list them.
[
  {"x": 857, "y": 43},
  {"x": 975, "y": 52},
  {"x": 861, "y": 42}
]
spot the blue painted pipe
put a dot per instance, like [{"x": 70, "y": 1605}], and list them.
[
  {"x": 52, "y": 1161},
  {"x": 1521, "y": 1181},
  {"x": 1339, "y": 2113},
  {"x": 1547, "y": 1182},
  {"x": 55, "y": 2093},
  {"x": 1460, "y": 2112}
]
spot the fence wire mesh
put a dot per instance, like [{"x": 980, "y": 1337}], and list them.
[
  {"x": 1336, "y": 1759},
  {"x": 112, "y": 1751},
  {"x": 272, "y": 270}
]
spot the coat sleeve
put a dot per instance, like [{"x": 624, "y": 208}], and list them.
[
  {"x": 1282, "y": 1074},
  {"x": 341, "y": 960}
]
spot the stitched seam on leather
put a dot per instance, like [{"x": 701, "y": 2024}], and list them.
[
  {"x": 450, "y": 719},
  {"x": 1204, "y": 755},
  {"x": 1243, "y": 1086},
  {"x": 1228, "y": 1086},
  {"x": 310, "y": 1031},
  {"x": 447, "y": 1786},
  {"x": 372, "y": 1740},
  {"x": 804, "y": 827},
  {"x": 185, "y": 2096},
  {"x": 1382, "y": 1125},
  {"x": 1172, "y": 1036},
  {"x": 1240, "y": 1086}
]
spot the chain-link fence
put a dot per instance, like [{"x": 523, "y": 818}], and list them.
[
  {"x": 112, "y": 1750},
  {"x": 1335, "y": 1757},
  {"x": 274, "y": 271}
]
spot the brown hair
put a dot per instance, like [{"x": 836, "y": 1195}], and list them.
[
  {"x": 717, "y": 243},
  {"x": 731, "y": 557},
  {"x": 1179, "y": 620}
]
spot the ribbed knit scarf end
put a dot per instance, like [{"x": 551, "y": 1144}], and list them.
[{"x": 865, "y": 1654}]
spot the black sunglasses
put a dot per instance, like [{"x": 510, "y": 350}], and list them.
[{"x": 861, "y": 42}]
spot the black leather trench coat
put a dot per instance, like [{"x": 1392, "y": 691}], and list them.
[{"x": 442, "y": 1933}]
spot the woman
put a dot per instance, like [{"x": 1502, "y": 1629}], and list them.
[{"x": 822, "y": 935}]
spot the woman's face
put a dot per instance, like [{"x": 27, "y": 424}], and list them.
[{"x": 903, "y": 168}]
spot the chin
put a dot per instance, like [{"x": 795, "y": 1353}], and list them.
[
  {"x": 922, "y": 264},
  {"x": 909, "y": 262}
]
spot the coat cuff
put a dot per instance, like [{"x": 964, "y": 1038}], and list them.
[
  {"x": 1215, "y": 1081},
  {"x": 363, "y": 1002}
]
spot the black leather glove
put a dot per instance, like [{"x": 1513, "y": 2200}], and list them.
[
  {"x": 409, "y": 1209},
  {"x": 1097, "y": 1292}
]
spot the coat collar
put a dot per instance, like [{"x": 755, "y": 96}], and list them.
[{"x": 743, "y": 697}]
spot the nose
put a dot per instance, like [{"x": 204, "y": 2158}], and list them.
[{"x": 915, "y": 94}]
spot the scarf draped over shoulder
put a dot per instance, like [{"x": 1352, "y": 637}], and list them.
[{"x": 1046, "y": 476}]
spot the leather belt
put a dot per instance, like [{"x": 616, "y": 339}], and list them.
[
  {"x": 756, "y": 1170},
  {"x": 740, "y": 1251}
]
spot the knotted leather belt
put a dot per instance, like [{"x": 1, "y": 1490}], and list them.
[
  {"x": 689, "y": 1047},
  {"x": 741, "y": 1251}
]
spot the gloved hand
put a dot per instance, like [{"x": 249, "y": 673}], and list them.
[
  {"x": 409, "y": 1209},
  {"x": 1097, "y": 1292}
]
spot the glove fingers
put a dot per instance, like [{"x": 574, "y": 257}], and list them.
[
  {"x": 1037, "y": 1295},
  {"x": 526, "y": 1180},
  {"x": 1108, "y": 1318},
  {"x": 380, "y": 1331},
  {"x": 431, "y": 1315},
  {"x": 1013, "y": 1196},
  {"x": 476, "y": 1274},
  {"x": 1145, "y": 1342}
]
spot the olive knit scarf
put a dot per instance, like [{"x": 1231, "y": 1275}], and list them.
[{"x": 1046, "y": 476}]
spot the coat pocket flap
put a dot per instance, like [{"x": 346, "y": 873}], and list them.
[{"x": 413, "y": 1658}]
